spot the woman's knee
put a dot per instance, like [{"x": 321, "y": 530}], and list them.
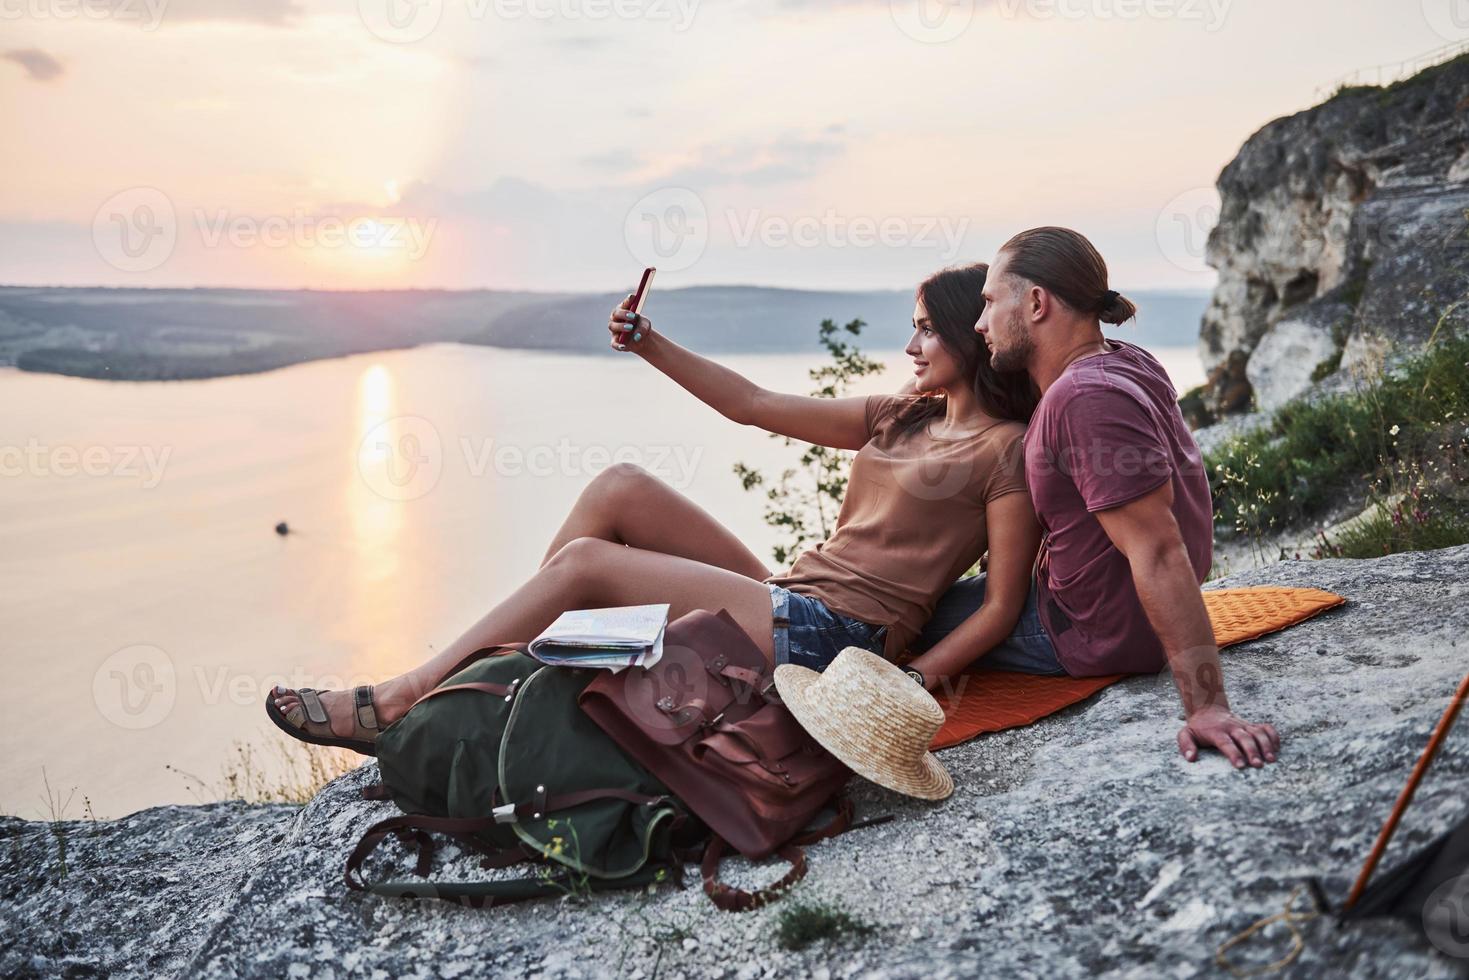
[
  {"x": 620, "y": 482},
  {"x": 581, "y": 566}
]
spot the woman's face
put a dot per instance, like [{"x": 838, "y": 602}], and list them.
[{"x": 933, "y": 366}]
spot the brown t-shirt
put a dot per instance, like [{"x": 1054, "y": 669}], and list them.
[{"x": 912, "y": 521}]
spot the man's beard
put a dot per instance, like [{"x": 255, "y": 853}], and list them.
[{"x": 1016, "y": 357}]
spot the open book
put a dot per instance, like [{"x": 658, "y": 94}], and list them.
[{"x": 612, "y": 638}]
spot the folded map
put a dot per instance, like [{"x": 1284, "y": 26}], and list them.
[{"x": 612, "y": 639}]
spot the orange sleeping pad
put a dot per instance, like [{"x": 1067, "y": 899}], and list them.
[{"x": 993, "y": 700}]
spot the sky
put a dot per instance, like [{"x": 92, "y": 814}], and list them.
[{"x": 564, "y": 144}]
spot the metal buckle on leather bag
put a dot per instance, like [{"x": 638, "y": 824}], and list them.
[{"x": 504, "y": 814}]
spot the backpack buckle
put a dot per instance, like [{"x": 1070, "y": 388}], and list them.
[{"x": 504, "y": 814}]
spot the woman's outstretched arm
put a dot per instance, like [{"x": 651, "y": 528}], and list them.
[
  {"x": 1014, "y": 538},
  {"x": 840, "y": 423}
]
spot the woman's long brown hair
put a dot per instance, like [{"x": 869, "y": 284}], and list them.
[{"x": 954, "y": 299}]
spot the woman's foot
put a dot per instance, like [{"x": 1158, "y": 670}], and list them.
[{"x": 345, "y": 719}]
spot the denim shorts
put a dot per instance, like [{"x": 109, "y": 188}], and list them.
[
  {"x": 1027, "y": 649},
  {"x": 811, "y": 635}
]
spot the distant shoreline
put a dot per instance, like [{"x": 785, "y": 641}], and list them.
[{"x": 158, "y": 334}]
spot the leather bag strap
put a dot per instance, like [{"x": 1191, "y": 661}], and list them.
[{"x": 732, "y": 899}]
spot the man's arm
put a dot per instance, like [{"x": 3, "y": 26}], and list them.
[{"x": 1144, "y": 530}]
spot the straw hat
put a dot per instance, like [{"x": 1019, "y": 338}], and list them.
[{"x": 869, "y": 714}]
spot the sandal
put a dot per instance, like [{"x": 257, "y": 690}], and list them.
[{"x": 298, "y": 722}]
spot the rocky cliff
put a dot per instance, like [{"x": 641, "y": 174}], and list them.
[
  {"x": 1342, "y": 236},
  {"x": 1078, "y": 846}
]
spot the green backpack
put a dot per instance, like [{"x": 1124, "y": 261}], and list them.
[{"x": 501, "y": 758}]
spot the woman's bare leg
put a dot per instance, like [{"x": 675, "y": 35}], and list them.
[
  {"x": 628, "y": 505},
  {"x": 584, "y": 573}
]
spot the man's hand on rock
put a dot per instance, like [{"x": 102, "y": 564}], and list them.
[{"x": 1238, "y": 739}]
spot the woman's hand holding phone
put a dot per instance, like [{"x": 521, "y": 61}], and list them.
[
  {"x": 628, "y": 329},
  {"x": 627, "y": 324}
]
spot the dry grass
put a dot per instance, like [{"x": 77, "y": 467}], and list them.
[{"x": 286, "y": 771}]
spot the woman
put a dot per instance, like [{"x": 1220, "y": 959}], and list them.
[{"x": 937, "y": 481}]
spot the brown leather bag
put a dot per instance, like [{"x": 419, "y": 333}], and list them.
[{"x": 706, "y": 720}]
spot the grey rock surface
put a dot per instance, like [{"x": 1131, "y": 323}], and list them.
[
  {"x": 1078, "y": 846},
  {"x": 1344, "y": 225}
]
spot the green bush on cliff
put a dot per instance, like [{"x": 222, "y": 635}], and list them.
[
  {"x": 1400, "y": 441},
  {"x": 802, "y": 502}
]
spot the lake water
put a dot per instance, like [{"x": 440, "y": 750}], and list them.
[{"x": 146, "y": 602}]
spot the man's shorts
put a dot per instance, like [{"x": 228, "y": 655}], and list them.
[{"x": 1027, "y": 649}]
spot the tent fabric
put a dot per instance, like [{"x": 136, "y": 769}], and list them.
[
  {"x": 1407, "y": 889},
  {"x": 992, "y": 700}
]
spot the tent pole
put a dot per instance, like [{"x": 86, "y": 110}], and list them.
[{"x": 1406, "y": 796}]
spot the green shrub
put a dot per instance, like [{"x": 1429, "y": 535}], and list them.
[
  {"x": 1411, "y": 522},
  {"x": 804, "y": 922},
  {"x": 1405, "y": 433}
]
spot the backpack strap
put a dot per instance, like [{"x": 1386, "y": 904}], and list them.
[
  {"x": 417, "y": 827},
  {"x": 493, "y": 650},
  {"x": 732, "y": 899},
  {"x": 839, "y": 824}
]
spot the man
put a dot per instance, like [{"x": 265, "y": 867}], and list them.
[{"x": 1119, "y": 487}]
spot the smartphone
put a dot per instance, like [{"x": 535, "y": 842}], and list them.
[{"x": 638, "y": 299}]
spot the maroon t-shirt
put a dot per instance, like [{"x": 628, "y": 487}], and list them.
[{"x": 1107, "y": 432}]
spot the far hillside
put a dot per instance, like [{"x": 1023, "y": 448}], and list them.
[{"x": 167, "y": 334}]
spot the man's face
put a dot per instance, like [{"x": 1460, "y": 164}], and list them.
[{"x": 1002, "y": 324}]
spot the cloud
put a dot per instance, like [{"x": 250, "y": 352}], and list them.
[
  {"x": 581, "y": 43},
  {"x": 39, "y": 65},
  {"x": 275, "y": 13},
  {"x": 786, "y": 158}
]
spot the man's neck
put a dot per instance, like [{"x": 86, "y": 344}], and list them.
[{"x": 1050, "y": 363}]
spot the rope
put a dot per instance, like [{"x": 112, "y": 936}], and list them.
[{"x": 1298, "y": 942}]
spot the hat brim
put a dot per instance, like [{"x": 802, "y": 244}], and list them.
[{"x": 928, "y": 780}]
